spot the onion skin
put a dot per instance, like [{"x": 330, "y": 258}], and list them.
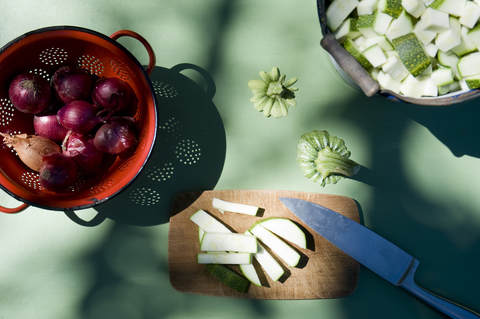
[
  {"x": 48, "y": 126},
  {"x": 58, "y": 172},
  {"x": 31, "y": 148},
  {"x": 113, "y": 94},
  {"x": 80, "y": 117},
  {"x": 82, "y": 150},
  {"x": 71, "y": 83},
  {"x": 30, "y": 93},
  {"x": 117, "y": 136}
]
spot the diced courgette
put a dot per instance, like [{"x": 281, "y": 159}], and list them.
[
  {"x": 353, "y": 49},
  {"x": 449, "y": 59},
  {"x": 414, "y": 7},
  {"x": 400, "y": 26},
  {"x": 451, "y": 38},
  {"x": 387, "y": 82},
  {"x": 381, "y": 22},
  {"x": 382, "y": 41},
  {"x": 395, "y": 68},
  {"x": 431, "y": 49},
  {"x": 435, "y": 21},
  {"x": 442, "y": 76},
  {"x": 365, "y": 26},
  {"x": 348, "y": 29},
  {"x": 366, "y": 7},
  {"x": 375, "y": 55},
  {"x": 473, "y": 82},
  {"x": 411, "y": 53},
  {"x": 469, "y": 65},
  {"x": 474, "y": 35},
  {"x": 338, "y": 11},
  {"x": 430, "y": 89},
  {"x": 391, "y": 7},
  {"x": 470, "y": 14},
  {"x": 466, "y": 44},
  {"x": 452, "y": 7},
  {"x": 412, "y": 87},
  {"x": 425, "y": 36}
]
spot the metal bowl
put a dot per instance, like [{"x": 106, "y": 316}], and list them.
[{"x": 354, "y": 74}]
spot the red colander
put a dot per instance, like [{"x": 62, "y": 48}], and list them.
[{"x": 43, "y": 51}]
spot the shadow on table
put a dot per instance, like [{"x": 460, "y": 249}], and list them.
[
  {"x": 456, "y": 126},
  {"x": 188, "y": 154},
  {"x": 444, "y": 242}
]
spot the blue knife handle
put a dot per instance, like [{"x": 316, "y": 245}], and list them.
[{"x": 447, "y": 307}]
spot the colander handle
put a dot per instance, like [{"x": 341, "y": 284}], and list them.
[
  {"x": 148, "y": 47},
  {"x": 13, "y": 210}
]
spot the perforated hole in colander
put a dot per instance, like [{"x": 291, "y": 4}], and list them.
[
  {"x": 102, "y": 186},
  {"x": 91, "y": 63},
  {"x": 44, "y": 74},
  {"x": 164, "y": 89},
  {"x": 6, "y": 111},
  {"x": 172, "y": 129},
  {"x": 119, "y": 70},
  {"x": 160, "y": 174},
  {"x": 126, "y": 163},
  {"x": 144, "y": 196},
  {"x": 31, "y": 180},
  {"x": 79, "y": 185},
  {"x": 188, "y": 152},
  {"x": 53, "y": 56}
]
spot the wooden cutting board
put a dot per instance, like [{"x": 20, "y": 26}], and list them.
[{"x": 324, "y": 270}]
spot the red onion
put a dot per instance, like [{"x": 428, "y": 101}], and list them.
[
  {"x": 81, "y": 149},
  {"x": 119, "y": 135},
  {"x": 112, "y": 93},
  {"x": 58, "y": 172},
  {"x": 80, "y": 116},
  {"x": 71, "y": 83},
  {"x": 49, "y": 127},
  {"x": 30, "y": 93}
]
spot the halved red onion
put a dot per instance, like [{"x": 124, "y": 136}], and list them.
[
  {"x": 82, "y": 150},
  {"x": 58, "y": 172},
  {"x": 113, "y": 94},
  {"x": 48, "y": 126},
  {"x": 117, "y": 136},
  {"x": 80, "y": 116},
  {"x": 71, "y": 83},
  {"x": 30, "y": 93}
]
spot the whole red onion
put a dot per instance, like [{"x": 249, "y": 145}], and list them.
[
  {"x": 81, "y": 149},
  {"x": 80, "y": 116},
  {"x": 58, "y": 172},
  {"x": 118, "y": 135},
  {"x": 112, "y": 93},
  {"x": 71, "y": 83},
  {"x": 48, "y": 126},
  {"x": 30, "y": 93}
]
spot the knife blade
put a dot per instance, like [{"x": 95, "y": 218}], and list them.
[{"x": 372, "y": 251}]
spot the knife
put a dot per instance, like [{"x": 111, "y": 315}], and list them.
[{"x": 372, "y": 251}]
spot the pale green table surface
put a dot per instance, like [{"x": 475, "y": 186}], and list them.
[{"x": 419, "y": 187}]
